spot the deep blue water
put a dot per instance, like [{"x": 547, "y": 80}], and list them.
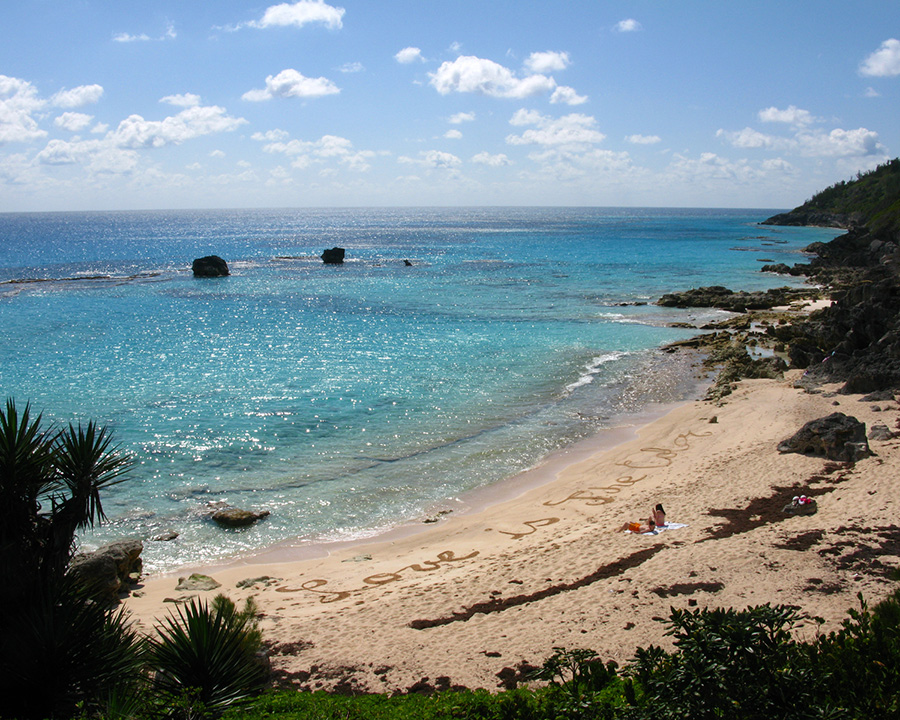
[{"x": 346, "y": 399}]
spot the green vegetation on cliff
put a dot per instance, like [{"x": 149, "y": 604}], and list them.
[{"x": 871, "y": 200}]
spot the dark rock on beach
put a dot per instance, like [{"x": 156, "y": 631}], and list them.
[
  {"x": 835, "y": 437},
  {"x": 334, "y": 256},
  {"x": 109, "y": 570},
  {"x": 722, "y": 298}
]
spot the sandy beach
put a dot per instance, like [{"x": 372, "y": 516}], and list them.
[{"x": 474, "y": 599}]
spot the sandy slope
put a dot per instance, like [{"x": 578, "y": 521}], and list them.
[{"x": 473, "y": 599}]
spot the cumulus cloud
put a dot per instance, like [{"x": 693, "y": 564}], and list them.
[
  {"x": 351, "y": 67},
  {"x": 840, "y": 143},
  {"x": 461, "y": 117},
  {"x": 884, "y": 62},
  {"x": 77, "y": 96},
  {"x": 574, "y": 129},
  {"x": 469, "y": 73},
  {"x": 97, "y": 156},
  {"x": 747, "y": 138},
  {"x": 304, "y": 153},
  {"x": 545, "y": 62},
  {"x": 182, "y": 100},
  {"x": 792, "y": 115},
  {"x": 643, "y": 139},
  {"x": 409, "y": 55},
  {"x": 628, "y": 25},
  {"x": 73, "y": 121},
  {"x": 435, "y": 159},
  {"x": 567, "y": 96},
  {"x": 453, "y": 134},
  {"x": 292, "y": 84},
  {"x": 135, "y": 132},
  {"x": 299, "y": 14},
  {"x": 18, "y": 102},
  {"x": 485, "y": 158}
]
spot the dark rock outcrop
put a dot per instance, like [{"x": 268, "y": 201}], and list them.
[
  {"x": 210, "y": 266},
  {"x": 110, "y": 570},
  {"x": 835, "y": 437},
  {"x": 334, "y": 256},
  {"x": 716, "y": 296},
  {"x": 232, "y": 517}
]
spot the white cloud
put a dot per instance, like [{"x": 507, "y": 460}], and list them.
[
  {"x": 351, "y": 67},
  {"x": 629, "y": 25},
  {"x": 748, "y": 138},
  {"x": 18, "y": 101},
  {"x": 840, "y": 143},
  {"x": 574, "y": 129},
  {"x": 485, "y": 158},
  {"x": 567, "y": 95},
  {"x": 217, "y": 154},
  {"x": 792, "y": 115},
  {"x": 884, "y": 62},
  {"x": 473, "y": 74},
  {"x": 136, "y": 132},
  {"x": 128, "y": 38},
  {"x": 77, "y": 96},
  {"x": 290, "y": 83},
  {"x": 299, "y": 14},
  {"x": 453, "y": 134},
  {"x": 643, "y": 139},
  {"x": 545, "y": 62},
  {"x": 272, "y": 136},
  {"x": 169, "y": 34},
  {"x": 871, "y": 93},
  {"x": 73, "y": 121},
  {"x": 182, "y": 100},
  {"x": 435, "y": 159},
  {"x": 409, "y": 55},
  {"x": 97, "y": 156},
  {"x": 304, "y": 153},
  {"x": 461, "y": 117}
]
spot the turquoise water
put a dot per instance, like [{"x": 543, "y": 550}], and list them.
[{"x": 346, "y": 399}]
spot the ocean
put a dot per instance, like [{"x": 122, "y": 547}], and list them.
[{"x": 349, "y": 399}]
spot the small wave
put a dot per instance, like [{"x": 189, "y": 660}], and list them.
[{"x": 593, "y": 368}]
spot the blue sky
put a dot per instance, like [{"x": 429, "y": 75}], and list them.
[{"x": 169, "y": 104}]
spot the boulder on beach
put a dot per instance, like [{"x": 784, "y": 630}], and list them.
[
  {"x": 335, "y": 256},
  {"x": 835, "y": 437},
  {"x": 109, "y": 570},
  {"x": 198, "y": 582},
  {"x": 210, "y": 266},
  {"x": 231, "y": 517}
]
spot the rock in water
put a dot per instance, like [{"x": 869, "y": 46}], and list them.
[
  {"x": 335, "y": 256},
  {"x": 836, "y": 437},
  {"x": 210, "y": 266},
  {"x": 235, "y": 517}
]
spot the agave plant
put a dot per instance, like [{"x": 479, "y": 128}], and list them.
[{"x": 204, "y": 658}]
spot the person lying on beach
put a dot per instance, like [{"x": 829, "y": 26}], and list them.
[{"x": 639, "y": 527}]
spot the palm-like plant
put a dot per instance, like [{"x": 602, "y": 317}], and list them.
[
  {"x": 204, "y": 657},
  {"x": 57, "y": 647}
]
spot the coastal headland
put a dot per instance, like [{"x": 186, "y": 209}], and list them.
[{"x": 476, "y": 600}]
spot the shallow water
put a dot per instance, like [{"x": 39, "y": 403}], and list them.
[{"x": 346, "y": 399}]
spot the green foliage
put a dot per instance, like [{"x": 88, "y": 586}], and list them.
[
  {"x": 862, "y": 659},
  {"x": 873, "y": 198},
  {"x": 204, "y": 658},
  {"x": 58, "y": 649},
  {"x": 577, "y": 678},
  {"x": 741, "y": 664}
]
